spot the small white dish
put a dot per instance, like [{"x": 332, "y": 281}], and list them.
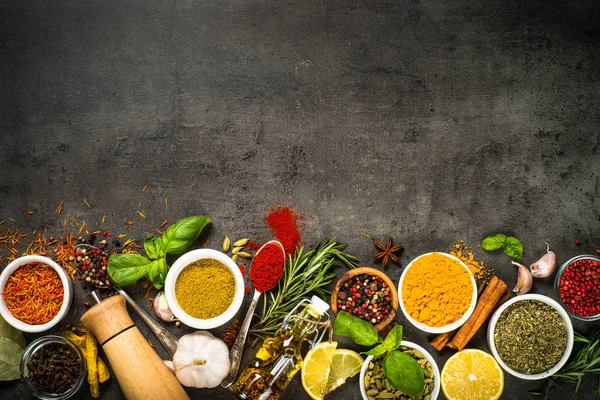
[
  {"x": 183, "y": 262},
  {"x": 67, "y": 299},
  {"x": 439, "y": 329},
  {"x": 551, "y": 303},
  {"x": 436, "y": 372}
]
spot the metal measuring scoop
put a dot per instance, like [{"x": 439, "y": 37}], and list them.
[{"x": 166, "y": 338}]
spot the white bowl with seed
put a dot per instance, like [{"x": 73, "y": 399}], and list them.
[{"x": 431, "y": 372}]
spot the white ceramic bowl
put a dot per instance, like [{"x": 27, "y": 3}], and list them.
[
  {"x": 446, "y": 328},
  {"x": 183, "y": 262},
  {"x": 436, "y": 372},
  {"x": 553, "y": 304},
  {"x": 67, "y": 299}
]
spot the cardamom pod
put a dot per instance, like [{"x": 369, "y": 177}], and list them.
[
  {"x": 243, "y": 254},
  {"x": 241, "y": 242},
  {"x": 235, "y": 257},
  {"x": 226, "y": 243},
  {"x": 236, "y": 250}
]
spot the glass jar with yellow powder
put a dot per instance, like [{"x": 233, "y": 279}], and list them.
[
  {"x": 437, "y": 292},
  {"x": 204, "y": 288}
]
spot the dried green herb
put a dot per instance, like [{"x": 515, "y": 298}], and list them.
[{"x": 530, "y": 337}]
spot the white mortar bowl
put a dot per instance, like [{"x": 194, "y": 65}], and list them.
[
  {"x": 179, "y": 266},
  {"x": 551, "y": 303},
  {"x": 67, "y": 299},
  {"x": 436, "y": 372}
]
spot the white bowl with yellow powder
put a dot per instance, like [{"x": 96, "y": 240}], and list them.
[
  {"x": 204, "y": 288},
  {"x": 437, "y": 292}
]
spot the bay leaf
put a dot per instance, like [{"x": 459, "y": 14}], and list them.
[
  {"x": 10, "y": 359},
  {"x": 7, "y": 331}
]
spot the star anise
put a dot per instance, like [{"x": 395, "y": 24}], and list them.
[{"x": 387, "y": 252}]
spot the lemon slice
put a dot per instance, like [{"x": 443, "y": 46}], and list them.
[
  {"x": 472, "y": 375},
  {"x": 344, "y": 364},
  {"x": 315, "y": 371}
]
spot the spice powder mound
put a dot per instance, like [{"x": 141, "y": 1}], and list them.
[
  {"x": 437, "y": 290},
  {"x": 205, "y": 288}
]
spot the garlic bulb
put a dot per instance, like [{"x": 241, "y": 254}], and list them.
[
  {"x": 161, "y": 307},
  {"x": 201, "y": 360},
  {"x": 524, "y": 281},
  {"x": 545, "y": 266}
]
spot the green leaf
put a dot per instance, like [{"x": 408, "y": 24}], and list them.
[
  {"x": 404, "y": 373},
  {"x": 157, "y": 272},
  {"x": 493, "y": 242},
  {"x": 7, "y": 331},
  {"x": 513, "y": 247},
  {"x": 179, "y": 236},
  {"x": 361, "y": 331},
  {"x": 10, "y": 359},
  {"x": 393, "y": 339},
  {"x": 126, "y": 269},
  {"x": 376, "y": 351},
  {"x": 154, "y": 247}
]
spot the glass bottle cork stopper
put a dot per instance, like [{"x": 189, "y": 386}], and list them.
[{"x": 319, "y": 305}]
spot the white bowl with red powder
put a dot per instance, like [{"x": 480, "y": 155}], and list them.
[{"x": 62, "y": 280}]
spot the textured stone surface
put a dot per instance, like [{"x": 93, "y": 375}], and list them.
[{"x": 426, "y": 120}]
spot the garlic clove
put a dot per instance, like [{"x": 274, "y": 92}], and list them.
[
  {"x": 545, "y": 266},
  {"x": 170, "y": 365},
  {"x": 161, "y": 308},
  {"x": 524, "y": 281}
]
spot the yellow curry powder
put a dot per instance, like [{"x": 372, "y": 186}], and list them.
[
  {"x": 205, "y": 288},
  {"x": 466, "y": 255},
  {"x": 437, "y": 290}
]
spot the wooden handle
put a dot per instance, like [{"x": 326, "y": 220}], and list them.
[{"x": 139, "y": 370}]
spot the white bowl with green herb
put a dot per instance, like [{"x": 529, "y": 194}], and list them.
[
  {"x": 531, "y": 336},
  {"x": 415, "y": 351}
]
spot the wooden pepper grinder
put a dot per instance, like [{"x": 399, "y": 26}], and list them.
[{"x": 139, "y": 370}]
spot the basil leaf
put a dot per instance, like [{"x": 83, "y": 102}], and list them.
[
  {"x": 10, "y": 359},
  {"x": 376, "y": 351},
  {"x": 7, "y": 331},
  {"x": 513, "y": 247},
  {"x": 493, "y": 242},
  {"x": 154, "y": 247},
  {"x": 358, "y": 329},
  {"x": 178, "y": 237},
  {"x": 126, "y": 269},
  {"x": 393, "y": 339},
  {"x": 404, "y": 373},
  {"x": 157, "y": 272}
]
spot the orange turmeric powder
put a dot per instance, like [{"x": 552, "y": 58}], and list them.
[{"x": 437, "y": 290}]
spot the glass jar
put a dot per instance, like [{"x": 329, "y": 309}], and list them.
[{"x": 37, "y": 345}]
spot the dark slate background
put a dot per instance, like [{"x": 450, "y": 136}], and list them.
[{"x": 427, "y": 120}]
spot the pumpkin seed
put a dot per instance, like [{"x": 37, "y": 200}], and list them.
[
  {"x": 385, "y": 395},
  {"x": 427, "y": 397},
  {"x": 241, "y": 242},
  {"x": 428, "y": 380},
  {"x": 367, "y": 380},
  {"x": 419, "y": 354},
  {"x": 236, "y": 250},
  {"x": 371, "y": 365},
  {"x": 244, "y": 254},
  {"x": 422, "y": 362},
  {"x": 372, "y": 392},
  {"x": 226, "y": 243},
  {"x": 370, "y": 398}
]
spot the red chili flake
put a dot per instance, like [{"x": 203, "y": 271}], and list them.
[
  {"x": 247, "y": 289},
  {"x": 252, "y": 245},
  {"x": 242, "y": 269}
]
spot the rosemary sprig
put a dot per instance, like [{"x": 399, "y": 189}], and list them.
[
  {"x": 304, "y": 274},
  {"x": 585, "y": 361}
]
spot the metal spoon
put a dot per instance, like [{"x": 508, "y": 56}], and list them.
[
  {"x": 168, "y": 340},
  {"x": 238, "y": 347}
]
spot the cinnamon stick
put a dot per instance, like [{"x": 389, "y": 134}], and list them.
[
  {"x": 486, "y": 304},
  {"x": 505, "y": 297}
]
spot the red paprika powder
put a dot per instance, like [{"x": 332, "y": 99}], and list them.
[
  {"x": 267, "y": 267},
  {"x": 283, "y": 222}
]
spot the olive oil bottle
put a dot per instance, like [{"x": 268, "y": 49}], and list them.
[{"x": 282, "y": 355}]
